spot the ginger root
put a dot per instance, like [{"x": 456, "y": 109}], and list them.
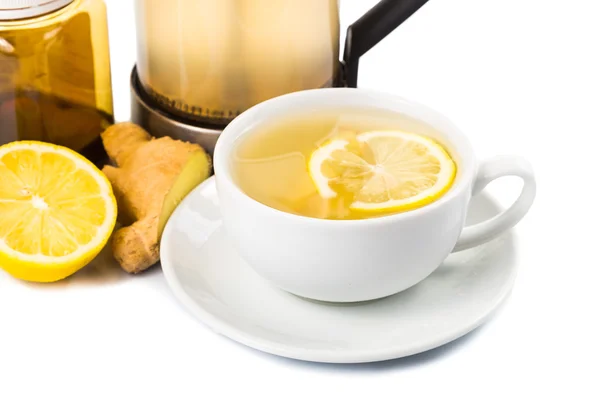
[{"x": 152, "y": 177}]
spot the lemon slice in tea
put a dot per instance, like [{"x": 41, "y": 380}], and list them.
[{"x": 383, "y": 170}]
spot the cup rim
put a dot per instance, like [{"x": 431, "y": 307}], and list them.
[{"x": 245, "y": 123}]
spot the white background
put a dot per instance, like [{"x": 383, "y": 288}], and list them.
[{"x": 518, "y": 76}]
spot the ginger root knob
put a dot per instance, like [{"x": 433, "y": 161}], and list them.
[{"x": 151, "y": 178}]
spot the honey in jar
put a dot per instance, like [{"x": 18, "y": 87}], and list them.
[{"x": 55, "y": 83}]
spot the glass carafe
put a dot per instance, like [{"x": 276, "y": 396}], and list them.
[{"x": 208, "y": 60}]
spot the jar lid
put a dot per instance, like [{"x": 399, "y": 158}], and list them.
[{"x": 21, "y": 9}]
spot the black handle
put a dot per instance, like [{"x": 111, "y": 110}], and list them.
[{"x": 369, "y": 29}]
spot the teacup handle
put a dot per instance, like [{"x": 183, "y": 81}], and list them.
[{"x": 490, "y": 170}]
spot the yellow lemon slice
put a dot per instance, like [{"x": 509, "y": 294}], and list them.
[
  {"x": 382, "y": 170},
  {"x": 57, "y": 211}
]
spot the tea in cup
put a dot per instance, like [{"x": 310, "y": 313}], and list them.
[
  {"x": 343, "y": 163},
  {"x": 349, "y": 195}
]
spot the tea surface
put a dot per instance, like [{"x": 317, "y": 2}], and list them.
[{"x": 271, "y": 164}]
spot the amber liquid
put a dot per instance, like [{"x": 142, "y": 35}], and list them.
[
  {"x": 209, "y": 60},
  {"x": 55, "y": 81},
  {"x": 30, "y": 115},
  {"x": 271, "y": 163}
]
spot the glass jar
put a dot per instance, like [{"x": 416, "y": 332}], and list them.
[{"x": 55, "y": 83}]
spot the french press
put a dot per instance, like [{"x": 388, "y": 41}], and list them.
[{"x": 200, "y": 63}]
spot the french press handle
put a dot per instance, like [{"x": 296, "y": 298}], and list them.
[{"x": 369, "y": 29}]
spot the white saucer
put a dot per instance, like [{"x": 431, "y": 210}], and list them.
[{"x": 221, "y": 290}]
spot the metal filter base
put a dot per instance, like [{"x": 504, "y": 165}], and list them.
[{"x": 159, "y": 123}]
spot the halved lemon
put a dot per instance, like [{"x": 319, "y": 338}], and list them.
[
  {"x": 57, "y": 211},
  {"x": 382, "y": 170}
]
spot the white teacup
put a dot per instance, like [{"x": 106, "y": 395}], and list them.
[{"x": 357, "y": 260}]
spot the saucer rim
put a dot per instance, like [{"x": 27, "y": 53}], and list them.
[{"x": 313, "y": 355}]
